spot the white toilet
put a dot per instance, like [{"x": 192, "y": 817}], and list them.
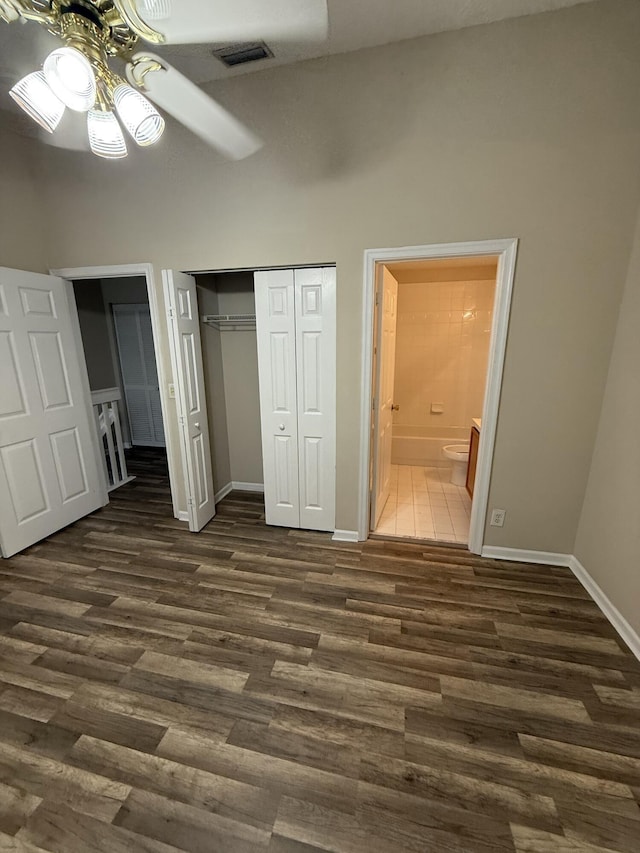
[{"x": 459, "y": 455}]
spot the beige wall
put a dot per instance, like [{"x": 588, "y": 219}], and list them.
[
  {"x": 608, "y": 540},
  {"x": 442, "y": 346},
  {"x": 22, "y": 214},
  {"x": 528, "y": 128}
]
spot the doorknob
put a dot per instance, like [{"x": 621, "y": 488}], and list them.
[
  {"x": 197, "y": 425},
  {"x": 281, "y": 427},
  {"x": 395, "y": 407}
]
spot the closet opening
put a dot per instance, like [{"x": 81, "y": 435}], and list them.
[
  {"x": 226, "y": 305},
  {"x": 117, "y": 339},
  {"x": 269, "y": 352}
]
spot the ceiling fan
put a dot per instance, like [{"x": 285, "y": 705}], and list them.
[{"x": 77, "y": 75}]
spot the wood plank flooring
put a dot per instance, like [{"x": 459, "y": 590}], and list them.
[{"x": 260, "y": 689}]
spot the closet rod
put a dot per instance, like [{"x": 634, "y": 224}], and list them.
[{"x": 229, "y": 321}]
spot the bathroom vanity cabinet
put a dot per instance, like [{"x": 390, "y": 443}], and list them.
[{"x": 474, "y": 443}]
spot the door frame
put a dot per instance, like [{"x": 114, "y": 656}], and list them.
[
  {"x": 127, "y": 271},
  {"x": 506, "y": 250}
]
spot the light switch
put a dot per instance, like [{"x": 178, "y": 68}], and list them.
[{"x": 437, "y": 408}]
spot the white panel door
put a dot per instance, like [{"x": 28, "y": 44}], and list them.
[
  {"x": 139, "y": 373},
  {"x": 48, "y": 465},
  {"x": 188, "y": 372},
  {"x": 276, "y": 336},
  {"x": 315, "y": 301},
  {"x": 387, "y": 300}
]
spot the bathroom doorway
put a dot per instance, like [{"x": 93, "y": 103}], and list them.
[
  {"x": 431, "y": 360},
  {"x": 436, "y": 318}
]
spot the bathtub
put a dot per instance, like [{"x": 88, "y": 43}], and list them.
[{"x": 423, "y": 445}]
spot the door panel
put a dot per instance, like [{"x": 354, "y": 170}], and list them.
[
  {"x": 275, "y": 324},
  {"x": 67, "y": 458},
  {"x": 387, "y": 293},
  {"x": 51, "y": 369},
  {"x": 315, "y": 294},
  {"x": 48, "y": 468},
  {"x": 12, "y": 399},
  {"x": 188, "y": 372},
  {"x": 25, "y": 479},
  {"x": 37, "y": 302}
]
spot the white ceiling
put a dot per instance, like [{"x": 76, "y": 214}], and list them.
[{"x": 354, "y": 24}]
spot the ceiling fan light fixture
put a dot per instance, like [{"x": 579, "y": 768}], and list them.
[
  {"x": 37, "y": 99},
  {"x": 155, "y": 10},
  {"x": 139, "y": 116},
  {"x": 70, "y": 75},
  {"x": 105, "y": 135}
]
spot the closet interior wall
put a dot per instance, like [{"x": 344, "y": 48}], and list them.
[{"x": 231, "y": 377}]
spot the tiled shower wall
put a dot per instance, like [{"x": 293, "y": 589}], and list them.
[{"x": 442, "y": 347}]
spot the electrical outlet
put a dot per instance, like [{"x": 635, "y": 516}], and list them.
[{"x": 497, "y": 517}]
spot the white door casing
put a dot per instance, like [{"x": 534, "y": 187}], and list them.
[
  {"x": 137, "y": 360},
  {"x": 387, "y": 301},
  {"x": 276, "y": 339},
  {"x": 315, "y": 304},
  {"x": 295, "y": 319},
  {"x": 506, "y": 250},
  {"x": 49, "y": 473},
  {"x": 186, "y": 359}
]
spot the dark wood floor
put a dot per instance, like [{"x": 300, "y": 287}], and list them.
[{"x": 261, "y": 689}]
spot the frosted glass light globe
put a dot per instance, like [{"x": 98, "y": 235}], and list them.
[
  {"x": 35, "y": 97},
  {"x": 105, "y": 135},
  {"x": 70, "y": 75},
  {"x": 139, "y": 116}
]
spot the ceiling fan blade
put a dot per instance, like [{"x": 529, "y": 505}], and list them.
[
  {"x": 219, "y": 21},
  {"x": 187, "y": 103}
]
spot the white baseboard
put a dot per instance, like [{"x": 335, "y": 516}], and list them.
[
  {"x": 183, "y": 515},
  {"x": 239, "y": 487},
  {"x": 247, "y": 487},
  {"x": 345, "y": 536},
  {"x": 631, "y": 638},
  {"x": 519, "y": 555},
  {"x": 222, "y": 493},
  {"x": 548, "y": 558}
]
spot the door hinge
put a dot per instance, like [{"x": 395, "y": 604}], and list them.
[
  {"x": 190, "y": 502},
  {"x": 181, "y": 419},
  {"x": 171, "y": 314}
]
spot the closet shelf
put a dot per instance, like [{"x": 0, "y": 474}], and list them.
[{"x": 228, "y": 322}]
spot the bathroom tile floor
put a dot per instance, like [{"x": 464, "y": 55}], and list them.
[{"x": 424, "y": 504}]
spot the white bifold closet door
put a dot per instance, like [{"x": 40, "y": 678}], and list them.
[
  {"x": 139, "y": 374},
  {"x": 188, "y": 370},
  {"x": 296, "y": 333}
]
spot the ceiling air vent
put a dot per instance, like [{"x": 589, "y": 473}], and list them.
[{"x": 240, "y": 54}]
